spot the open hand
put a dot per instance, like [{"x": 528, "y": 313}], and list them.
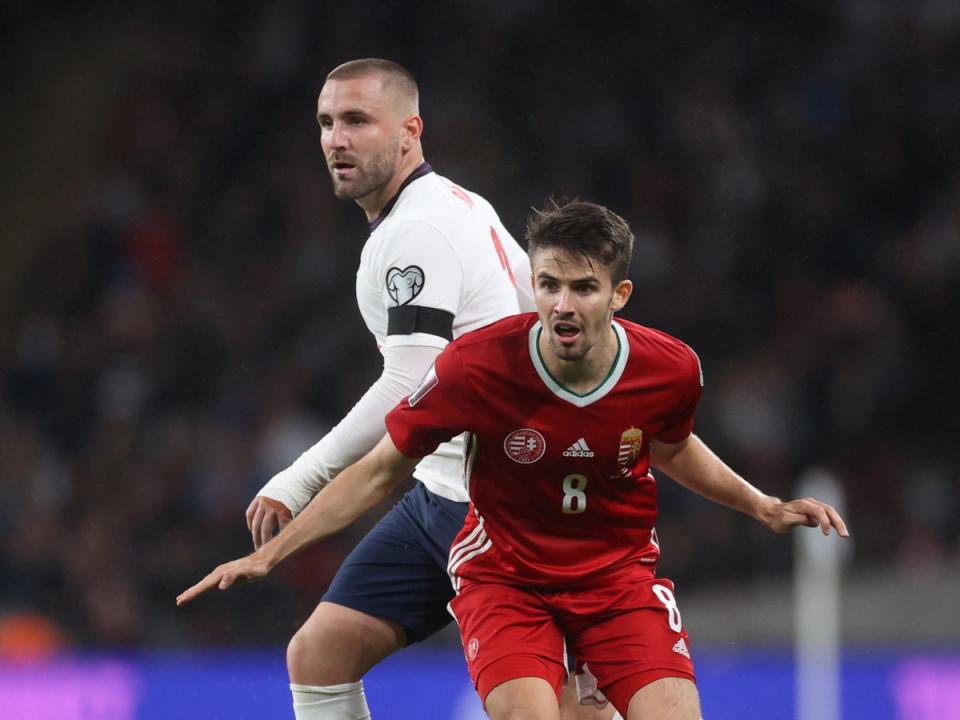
[
  {"x": 237, "y": 572},
  {"x": 782, "y": 516}
]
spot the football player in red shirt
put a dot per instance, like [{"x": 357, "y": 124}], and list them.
[{"x": 566, "y": 411}]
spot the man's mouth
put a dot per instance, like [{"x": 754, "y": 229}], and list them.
[
  {"x": 567, "y": 333},
  {"x": 342, "y": 168}
]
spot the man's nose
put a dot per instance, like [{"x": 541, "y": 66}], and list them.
[
  {"x": 337, "y": 137},
  {"x": 563, "y": 305}
]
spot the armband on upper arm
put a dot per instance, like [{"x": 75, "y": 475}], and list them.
[{"x": 409, "y": 319}]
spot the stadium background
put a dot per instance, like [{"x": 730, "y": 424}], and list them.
[{"x": 178, "y": 322}]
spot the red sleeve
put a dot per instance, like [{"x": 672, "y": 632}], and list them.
[
  {"x": 691, "y": 387},
  {"x": 436, "y": 411}
]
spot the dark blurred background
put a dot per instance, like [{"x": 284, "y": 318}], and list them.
[{"x": 177, "y": 310}]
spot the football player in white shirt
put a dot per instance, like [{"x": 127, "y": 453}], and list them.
[{"x": 438, "y": 263}]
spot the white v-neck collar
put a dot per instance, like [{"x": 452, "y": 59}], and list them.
[{"x": 565, "y": 393}]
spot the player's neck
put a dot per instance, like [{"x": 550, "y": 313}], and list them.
[
  {"x": 374, "y": 203},
  {"x": 588, "y": 372}
]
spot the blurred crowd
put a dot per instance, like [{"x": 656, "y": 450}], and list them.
[{"x": 180, "y": 322}]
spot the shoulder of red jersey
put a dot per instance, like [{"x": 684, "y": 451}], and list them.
[
  {"x": 659, "y": 345},
  {"x": 507, "y": 327}
]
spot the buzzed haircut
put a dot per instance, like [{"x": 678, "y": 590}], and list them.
[
  {"x": 393, "y": 74},
  {"x": 586, "y": 229}
]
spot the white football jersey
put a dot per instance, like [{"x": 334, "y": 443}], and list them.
[{"x": 439, "y": 263}]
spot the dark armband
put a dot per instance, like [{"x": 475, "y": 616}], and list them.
[{"x": 409, "y": 319}]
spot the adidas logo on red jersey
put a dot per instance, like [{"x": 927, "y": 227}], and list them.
[
  {"x": 681, "y": 647},
  {"x": 578, "y": 449}
]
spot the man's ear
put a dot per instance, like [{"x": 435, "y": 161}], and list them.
[
  {"x": 413, "y": 129},
  {"x": 621, "y": 293}
]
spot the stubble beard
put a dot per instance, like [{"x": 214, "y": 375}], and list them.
[
  {"x": 372, "y": 176},
  {"x": 568, "y": 354}
]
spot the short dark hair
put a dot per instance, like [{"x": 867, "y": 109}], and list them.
[
  {"x": 583, "y": 228},
  {"x": 392, "y": 73}
]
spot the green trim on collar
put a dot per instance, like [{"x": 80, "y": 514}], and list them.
[{"x": 565, "y": 393}]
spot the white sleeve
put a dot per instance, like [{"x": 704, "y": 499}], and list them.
[
  {"x": 357, "y": 433},
  {"x": 423, "y": 285}
]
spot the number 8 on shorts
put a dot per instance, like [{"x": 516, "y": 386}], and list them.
[{"x": 665, "y": 595}]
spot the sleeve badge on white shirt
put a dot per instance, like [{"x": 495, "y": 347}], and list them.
[
  {"x": 429, "y": 382},
  {"x": 404, "y": 285}
]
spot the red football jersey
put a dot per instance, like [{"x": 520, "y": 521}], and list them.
[{"x": 560, "y": 483}]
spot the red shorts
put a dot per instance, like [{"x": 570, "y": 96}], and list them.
[{"x": 627, "y": 631}]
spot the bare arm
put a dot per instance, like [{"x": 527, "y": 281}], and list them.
[
  {"x": 353, "y": 493},
  {"x": 692, "y": 464}
]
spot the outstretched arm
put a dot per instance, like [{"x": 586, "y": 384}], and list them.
[
  {"x": 355, "y": 491},
  {"x": 289, "y": 491},
  {"x": 692, "y": 464}
]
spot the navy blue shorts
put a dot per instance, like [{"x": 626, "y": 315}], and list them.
[{"x": 399, "y": 570}]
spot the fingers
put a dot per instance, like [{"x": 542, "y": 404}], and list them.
[
  {"x": 789, "y": 519},
  {"x": 817, "y": 515},
  {"x": 266, "y": 517},
  {"x": 283, "y": 512},
  {"x": 237, "y": 572},
  {"x": 251, "y": 510},
  {"x": 255, "y": 525},
  {"x": 813, "y": 513},
  {"x": 217, "y": 577},
  {"x": 837, "y": 521},
  {"x": 267, "y": 527}
]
